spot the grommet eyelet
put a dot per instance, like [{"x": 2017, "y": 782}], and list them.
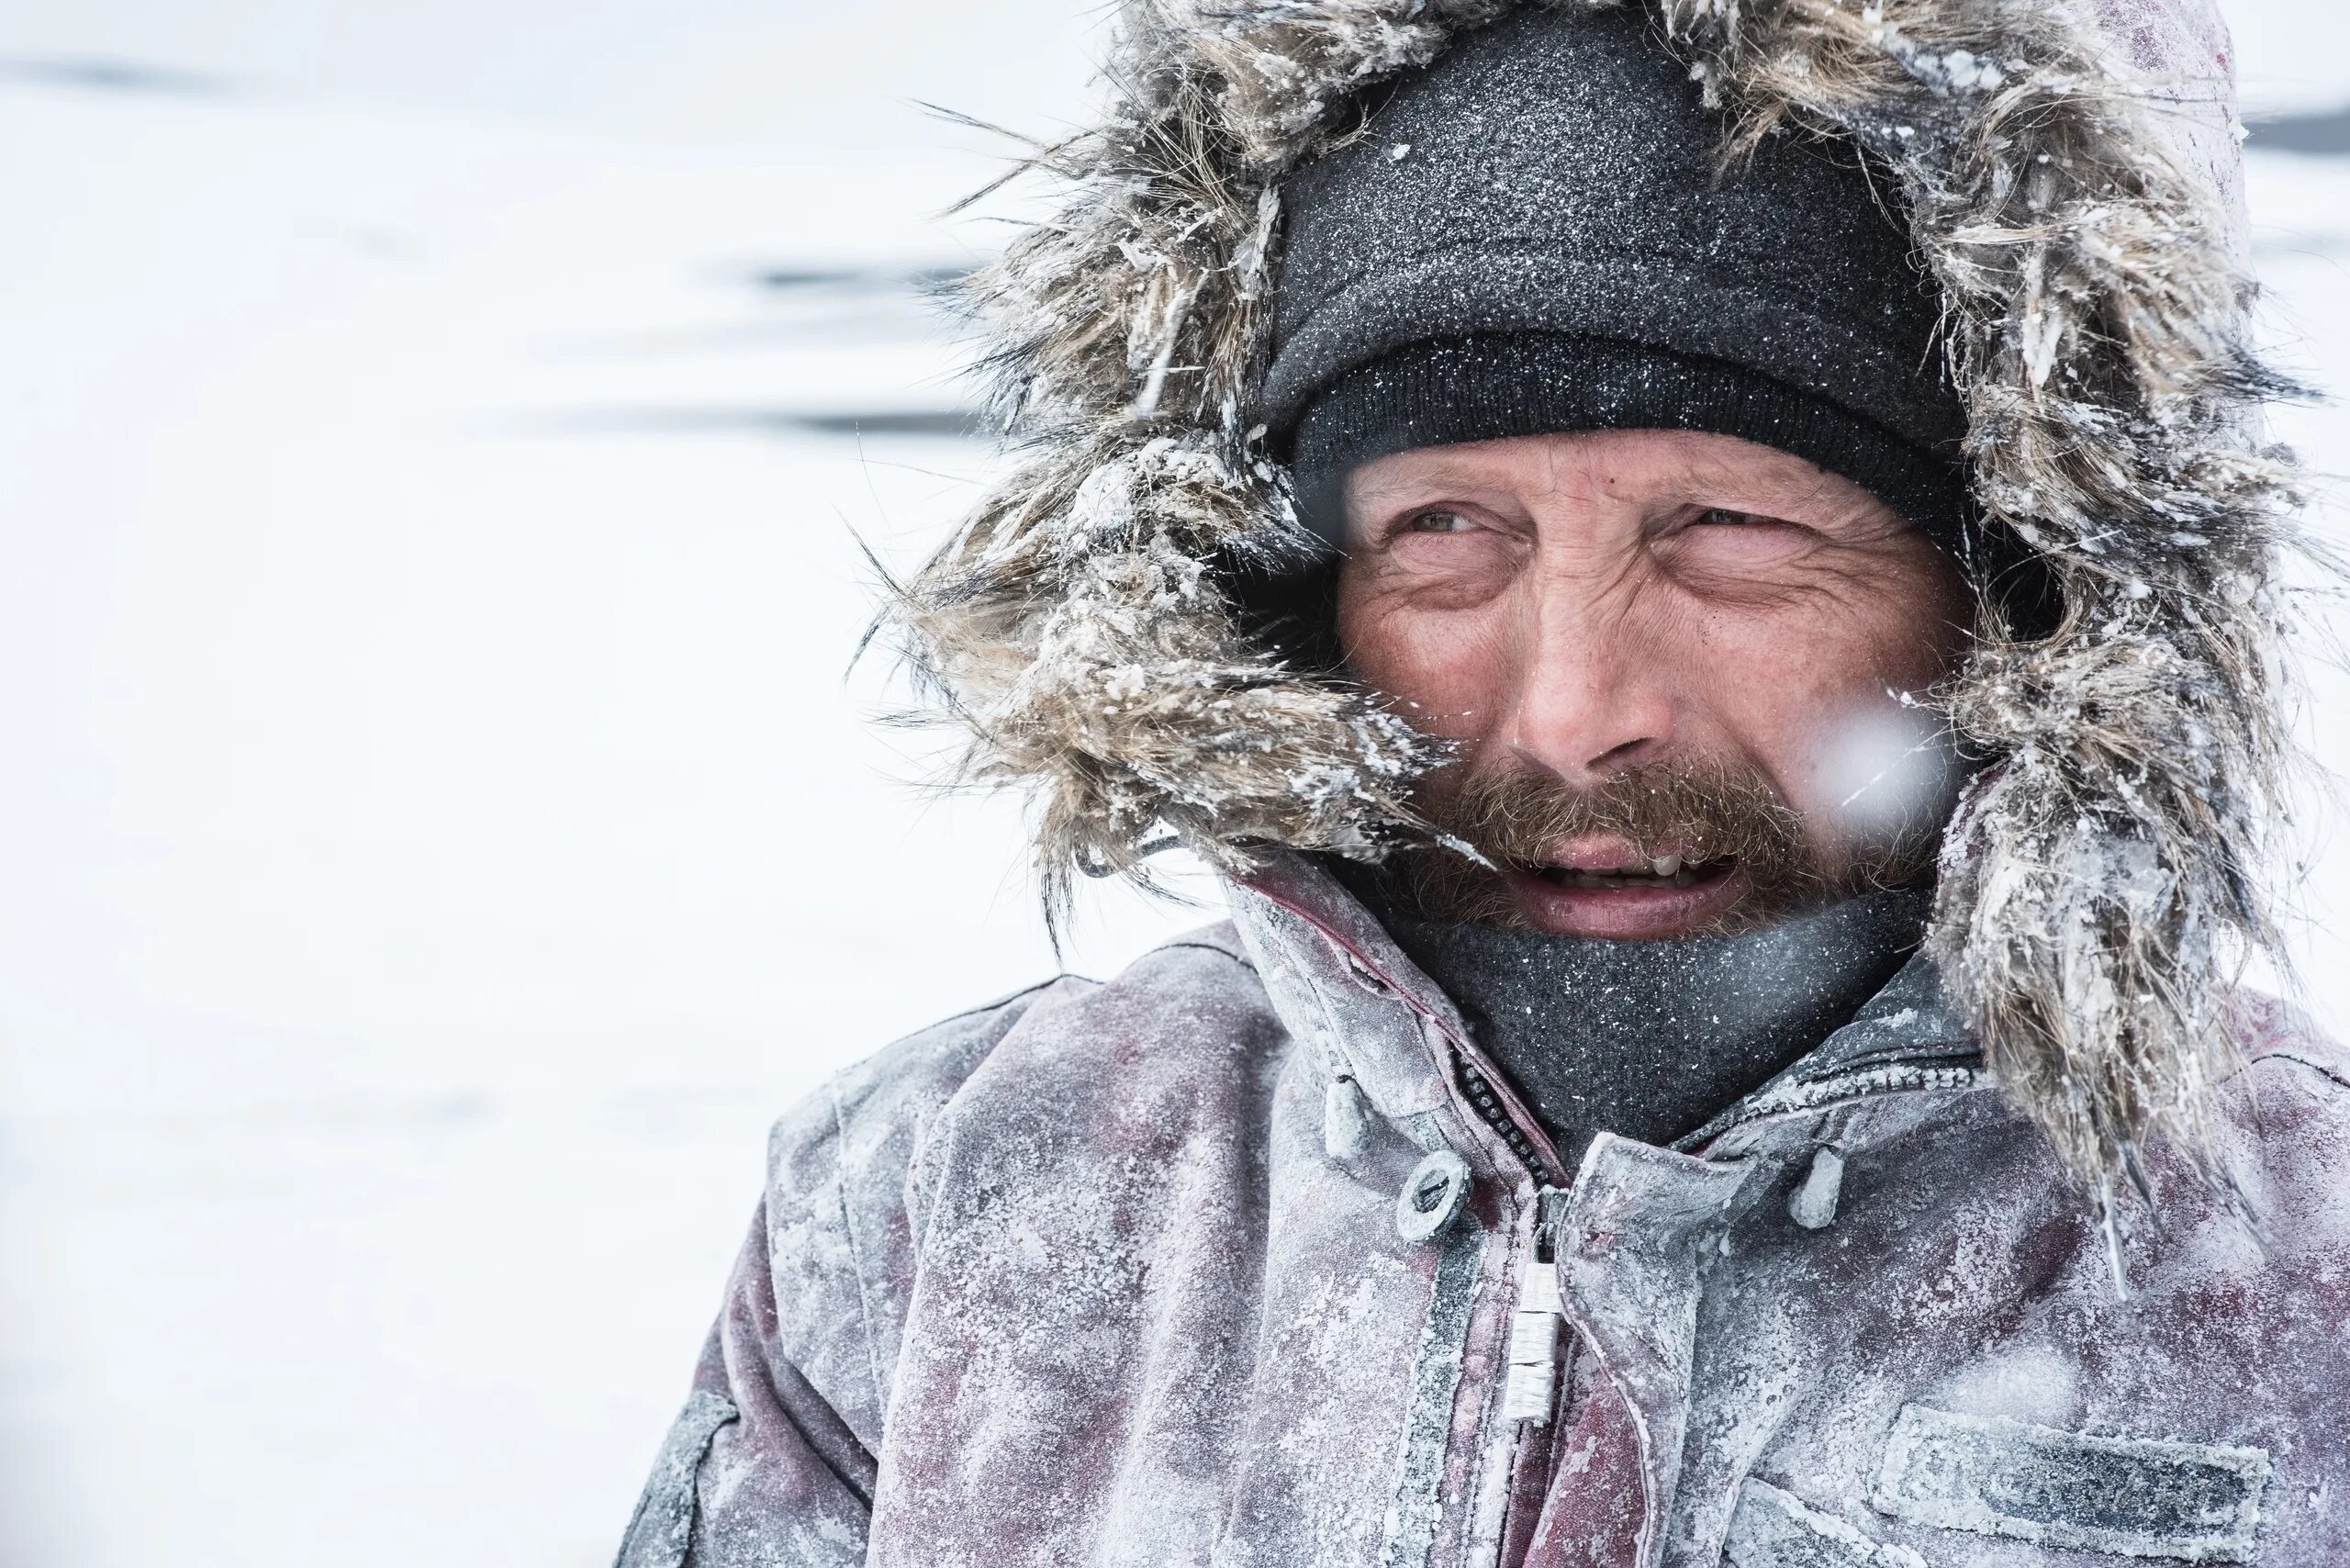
[{"x": 1433, "y": 1196}]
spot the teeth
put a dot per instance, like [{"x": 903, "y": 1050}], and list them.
[
  {"x": 1666, "y": 870},
  {"x": 1669, "y": 870}
]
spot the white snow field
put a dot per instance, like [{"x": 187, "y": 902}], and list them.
[{"x": 439, "y": 833}]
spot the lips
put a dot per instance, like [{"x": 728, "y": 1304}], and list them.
[{"x": 1619, "y": 897}]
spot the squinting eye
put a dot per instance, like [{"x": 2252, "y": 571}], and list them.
[
  {"x": 1437, "y": 522},
  {"x": 1724, "y": 517}
]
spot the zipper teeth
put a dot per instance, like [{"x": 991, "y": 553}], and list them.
[
  {"x": 1959, "y": 1055},
  {"x": 1488, "y": 1107},
  {"x": 1839, "y": 1088}
]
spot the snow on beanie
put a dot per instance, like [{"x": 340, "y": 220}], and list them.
[{"x": 1532, "y": 234}]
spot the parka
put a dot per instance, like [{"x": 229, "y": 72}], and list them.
[
  {"x": 1247, "y": 1256},
  {"x": 1230, "y": 1260}
]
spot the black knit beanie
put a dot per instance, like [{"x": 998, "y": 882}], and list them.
[{"x": 1533, "y": 234}]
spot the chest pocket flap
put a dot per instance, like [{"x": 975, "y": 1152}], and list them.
[{"x": 2131, "y": 1496}]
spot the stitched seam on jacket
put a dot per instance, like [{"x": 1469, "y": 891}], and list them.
[
  {"x": 1221, "y": 952},
  {"x": 1001, "y": 1002},
  {"x": 660, "y": 1532},
  {"x": 918, "y": 1125},
  {"x": 2288, "y": 1054},
  {"x": 857, "y": 1260}
]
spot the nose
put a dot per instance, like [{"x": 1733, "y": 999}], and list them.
[{"x": 1591, "y": 697}]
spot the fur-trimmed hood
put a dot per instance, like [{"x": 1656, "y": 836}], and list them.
[{"x": 2074, "y": 185}]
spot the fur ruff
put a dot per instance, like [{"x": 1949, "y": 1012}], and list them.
[{"x": 2100, "y": 880}]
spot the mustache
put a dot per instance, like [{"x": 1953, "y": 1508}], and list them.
[{"x": 1702, "y": 811}]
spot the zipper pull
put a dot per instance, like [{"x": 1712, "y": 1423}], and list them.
[{"x": 1532, "y": 1383}]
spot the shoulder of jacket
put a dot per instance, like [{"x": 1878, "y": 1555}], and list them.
[
  {"x": 836, "y": 1233},
  {"x": 862, "y": 1112},
  {"x": 843, "y": 1163},
  {"x": 858, "y": 1114},
  {"x": 2274, "y": 1034},
  {"x": 1186, "y": 1013},
  {"x": 2288, "y": 1152}
]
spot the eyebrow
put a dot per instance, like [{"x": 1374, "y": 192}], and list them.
[
  {"x": 1795, "y": 476},
  {"x": 1439, "y": 474}
]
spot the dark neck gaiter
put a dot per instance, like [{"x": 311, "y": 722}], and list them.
[{"x": 1651, "y": 1040}]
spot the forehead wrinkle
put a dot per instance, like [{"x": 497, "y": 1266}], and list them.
[
  {"x": 1556, "y": 457},
  {"x": 1571, "y": 465}
]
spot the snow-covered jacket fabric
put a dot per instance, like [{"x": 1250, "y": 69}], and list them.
[
  {"x": 1226, "y": 1261},
  {"x": 2071, "y": 173}
]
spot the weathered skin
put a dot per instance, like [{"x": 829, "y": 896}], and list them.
[{"x": 1078, "y": 1278}]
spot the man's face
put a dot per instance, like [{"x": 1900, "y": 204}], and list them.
[{"x": 1676, "y": 662}]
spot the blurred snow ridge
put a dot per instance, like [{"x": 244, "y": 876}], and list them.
[
  {"x": 108, "y": 75},
  {"x": 801, "y": 308},
  {"x": 2325, "y": 134}
]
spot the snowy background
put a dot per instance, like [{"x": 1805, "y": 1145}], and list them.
[{"x": 439, "y": 829}]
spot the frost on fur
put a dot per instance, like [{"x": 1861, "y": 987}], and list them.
[
  {"x": 1081, "y": 635},
  {"x": 2077, "y": 217},
  {"x": 2099, "y": 878}
]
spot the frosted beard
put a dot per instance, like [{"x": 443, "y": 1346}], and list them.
[{"x": 1715, "y": 815}]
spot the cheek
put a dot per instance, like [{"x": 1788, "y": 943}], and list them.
[
  {"x": 1916, "y": 628},
  {"x": 1807, "y": 687},
  {"x": 1447, "y": 666}
]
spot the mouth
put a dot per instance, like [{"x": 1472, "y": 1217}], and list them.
[
  {"x": 1629, "y": 898},
  {"x": 1663, "y": 871}
]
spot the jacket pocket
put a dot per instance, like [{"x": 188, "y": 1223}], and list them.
[
  {"x": 2130, "y": 1496},
  {"x": 662, "y": 1527}
]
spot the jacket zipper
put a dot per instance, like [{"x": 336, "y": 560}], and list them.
[
  {"x": 1841, "y": 1087},
  {"x": 1487, "y": 1102},
  {"x": 1531, "y": 1388},
  {"x": 1530, "y": 1379}
]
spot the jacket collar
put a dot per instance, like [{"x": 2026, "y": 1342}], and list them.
[{"x": 1339, "y": 981}]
